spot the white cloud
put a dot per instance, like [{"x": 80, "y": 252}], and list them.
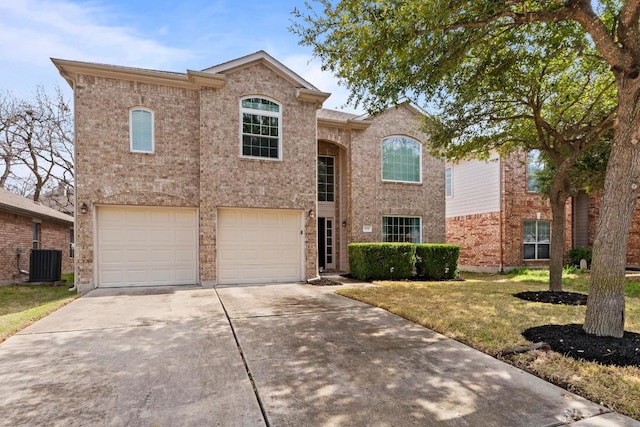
[{"x": 32, "y": 31}]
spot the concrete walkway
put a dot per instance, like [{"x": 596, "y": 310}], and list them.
[{"x": 170, "y": 357}]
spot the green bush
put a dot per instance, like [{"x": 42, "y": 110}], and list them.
[
  {"x": 396, "y": 261},
  {"x": 382, "y": 261},
  {"x": 437, "y": 262},
  {"x": 576, "y": 254}
]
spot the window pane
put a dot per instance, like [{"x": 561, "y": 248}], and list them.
[
  {"x": 529, "y": 251},
  {"x": 141, "y": 130},
  {"x": 260, "y": 104},
  {"x": 448, "y": 183},
  {"x": 401, "y": 159},
  {"x": 535, "y": 164},
  {"x": 543, "y": 251},
  {"x": 536, "y": 238},
  {"x": 326, "y": 189},
  {"x": 401, "y": 229},
  {"x": 260, "y": 133}
]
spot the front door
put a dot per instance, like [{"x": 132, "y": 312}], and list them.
[{"x": 325, "y": 243}]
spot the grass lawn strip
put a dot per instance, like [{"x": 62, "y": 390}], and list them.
[
  {"x": 482, "y": 312},
  {"x": 22, "y": 305}
]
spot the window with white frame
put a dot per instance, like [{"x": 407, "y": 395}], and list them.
[
  {"x": 326, "y": 178},
  {"x": 402, "y": 229},
  {"x": 535, "y": 165},
  {"x": 401, "y": 159},
  {"x": 261, "y": 128},
  {"x": 536, "y": 239},
  {"x": 448, "y": 182},
  {"x": 35, "y": 244},
  {"x": 141, "y": 130}
]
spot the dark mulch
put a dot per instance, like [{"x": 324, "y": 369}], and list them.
[
  {"x": 323, "y": 282},
  {"x": 566, "y": 298},
  {"x": 572, "y": 341}
]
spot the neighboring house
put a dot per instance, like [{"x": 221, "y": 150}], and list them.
[
  {"x": 26, "y": 225},
  {"x": 499, "y": 219},
  {"x": 59, "y": 198},
  {"x": 235, "y": 175}
]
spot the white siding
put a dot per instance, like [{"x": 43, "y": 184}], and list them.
[{"x": 476, "y": 187}]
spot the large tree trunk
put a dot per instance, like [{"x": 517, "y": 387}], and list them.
[
  {"x": 556, "y": 258},
  {"x": 605, "y": 304}
]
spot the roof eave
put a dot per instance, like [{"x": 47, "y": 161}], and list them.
[
  {"x": 314, "y": 96},
  {"x": 71, "y": 69},
  {"x": 29, "y": 213}
]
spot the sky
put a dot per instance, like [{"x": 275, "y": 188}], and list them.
[{"x": 170, "y": 35}]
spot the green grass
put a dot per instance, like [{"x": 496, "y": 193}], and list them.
[
  {"x": 482, "y": 312},
  {"x": 22, "y": 305}
]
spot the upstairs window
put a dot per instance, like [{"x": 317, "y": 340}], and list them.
[
  {"x": 141, "y": 130},
  {"x": 261, "y": 128},
  {"x": 401, "y": 159},
  {"x": 448, "y": 182},
  {"x": 326, "y": 177},
  {"x": 535, "y": 164}
]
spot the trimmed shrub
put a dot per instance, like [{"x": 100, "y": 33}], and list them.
[
  {"x": 576, "y": 254},
  {"x": 436, "y": 261},
  {"x": 382, "y": 261}
]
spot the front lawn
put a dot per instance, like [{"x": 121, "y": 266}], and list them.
[
  {"x": 482, "y": 312},
  {"x": 22, "y": 305}
]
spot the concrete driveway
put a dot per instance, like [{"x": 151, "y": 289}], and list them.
[
  {"x": 134, "y": 357},
  {"x": 169, "y": 357}
]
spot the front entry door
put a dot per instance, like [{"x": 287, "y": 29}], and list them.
[{"x": 325, "y": 243}]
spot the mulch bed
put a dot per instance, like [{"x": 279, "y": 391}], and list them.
[
  {"x": 572, "y": 341},
  {"x": 565, "y": 298},
  {"x": 323, "y": 282}
]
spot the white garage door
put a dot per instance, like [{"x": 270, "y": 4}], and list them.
[
  {"x": 143, "y": 246},
  {"x": 259, "y": 246}
]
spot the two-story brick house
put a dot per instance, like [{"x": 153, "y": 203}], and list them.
[
  {"x": 235, "y": 174},
  {"x": 499, "y": 219}
]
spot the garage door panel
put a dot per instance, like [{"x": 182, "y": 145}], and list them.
[
  {"x": 146, "y": 246},
  {"x": 259, "y": 245}
]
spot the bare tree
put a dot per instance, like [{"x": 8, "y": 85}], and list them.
[{"x": 36, "y": 145}]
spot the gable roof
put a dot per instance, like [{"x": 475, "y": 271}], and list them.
[
  {"x": 211, "y": 77},
  {"x": 261, "y": 57},
  {"x": 14, "y": 203}
]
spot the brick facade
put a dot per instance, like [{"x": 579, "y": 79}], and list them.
[
  {"x": 633, "y": 246},
  {"x": 16, "y": 232},
  {"x": 494, "y": 241},
  {"x": 197, "y": 161}
]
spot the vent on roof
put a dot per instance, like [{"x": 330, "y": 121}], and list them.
[{"x": 46, "y": 265}]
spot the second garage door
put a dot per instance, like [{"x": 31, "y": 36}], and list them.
[
  {"x": 259, "y": 246},
  {"x": 146, "y": 246}
]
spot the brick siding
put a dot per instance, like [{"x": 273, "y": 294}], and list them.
[{"x": 16, "y": 231}]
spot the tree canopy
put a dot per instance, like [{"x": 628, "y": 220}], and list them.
[{"x": 458, "y": 53}]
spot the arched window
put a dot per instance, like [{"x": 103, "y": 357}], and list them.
[
  {"x": 141, "y": 130},
  {"x": 401, "y": 159},
  {"x": 261, "y": 121}
]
